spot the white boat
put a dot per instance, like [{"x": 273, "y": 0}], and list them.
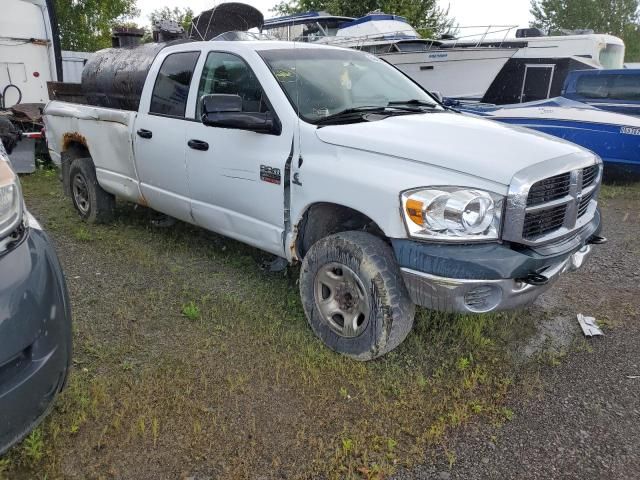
[
  {"x": 392, "y": 38},
  {"x": 526, "y": 68}
]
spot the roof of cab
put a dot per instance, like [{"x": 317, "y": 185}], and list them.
[{"x": 255, "y": 45}]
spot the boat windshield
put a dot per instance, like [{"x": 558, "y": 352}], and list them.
[
  {"x": 305, "y": 32},
  {"x": 612, "y": 56},
  {"x": 321, "y": 82}
]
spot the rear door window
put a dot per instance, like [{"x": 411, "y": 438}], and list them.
[{"x": 171, "y": 91}]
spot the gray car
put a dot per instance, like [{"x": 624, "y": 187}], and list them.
[{"x": 35, "y": 316}]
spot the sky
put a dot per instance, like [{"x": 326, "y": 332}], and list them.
[{"x": 466, "y": 12}]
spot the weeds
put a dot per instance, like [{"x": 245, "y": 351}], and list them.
[
  {"x": 33, "y": 447},
  {"x": 191, "y": 311}
]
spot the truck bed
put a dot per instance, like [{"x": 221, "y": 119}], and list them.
[{"x": 107, "y": 135}]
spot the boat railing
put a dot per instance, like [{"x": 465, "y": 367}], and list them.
[
  {"x": 488, "y": 30},
  {"x": 358, "y": 41}
]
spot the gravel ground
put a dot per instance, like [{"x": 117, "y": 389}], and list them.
[{"x": 583, "y": 422}]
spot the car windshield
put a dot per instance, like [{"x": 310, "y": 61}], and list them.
[{"x": 321, "y": 82}]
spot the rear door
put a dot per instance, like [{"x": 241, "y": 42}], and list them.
[
  {"x": 160, "y": 132},
  {"x": 237, "y": 177}
]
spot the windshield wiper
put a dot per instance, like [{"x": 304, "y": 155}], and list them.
[
  {"x": 414, "y": 101},
  {"x": 354, "y": 113}
]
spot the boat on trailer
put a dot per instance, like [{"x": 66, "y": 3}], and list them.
[
  {"x": 483, "y": 67},
  {"x": 613, "y": 136},
  {"x": 393, "y": 39}
]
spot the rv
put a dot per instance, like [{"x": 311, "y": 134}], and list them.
[{"x": 30, "y": 53}]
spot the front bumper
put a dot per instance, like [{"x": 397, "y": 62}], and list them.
[
  {"x": 482, "y": 296},
  {"x": 489, "y": 277},
  {"x": 35, "y": 334}
]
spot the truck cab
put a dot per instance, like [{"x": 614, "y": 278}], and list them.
[
  {"x": 335, "y": 160},
  {"x": 613, "y": 90}
]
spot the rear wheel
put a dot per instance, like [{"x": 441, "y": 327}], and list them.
[
  {"x": 354, "y": 295},
  {"x": 92, "y": 203}
]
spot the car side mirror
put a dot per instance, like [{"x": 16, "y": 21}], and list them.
[{"x": 225, "y": 111}]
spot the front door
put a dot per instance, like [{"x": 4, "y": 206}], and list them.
[
  {"x": 537, "y": 82},
  {"x": 237, "y": 177},
  {"x": 160, "y": 133}
]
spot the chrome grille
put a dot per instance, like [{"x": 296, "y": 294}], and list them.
[
  {"x": 543, "y": 221},
  {"x": 545, "y": 208},
  {"x": 589, "y": 175},
  {"x": 583, "y": 206},
  {"x": 549, "y": 189}
]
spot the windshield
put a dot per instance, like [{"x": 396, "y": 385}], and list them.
[
  {"x": 612, "y": 56},
  {"x": 321, "y": 82}
]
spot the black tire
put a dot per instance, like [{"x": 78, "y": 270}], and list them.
[
  {"x": 379, "y": 283},
  {"x": 93, "y": 204}
]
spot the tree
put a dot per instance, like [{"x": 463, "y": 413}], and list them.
[
  {"x": 425, "y": 15},
  {"x": 85, "y": 25},
  {"x": 182, "y": 16},
  {"x": 616, "y": 17}
]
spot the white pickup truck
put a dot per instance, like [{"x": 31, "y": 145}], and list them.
[{"x": 333, "y": 158}]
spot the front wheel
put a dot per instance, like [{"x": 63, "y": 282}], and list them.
[{"x": 354, "y": 296}]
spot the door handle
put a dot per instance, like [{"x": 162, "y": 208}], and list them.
[
  {"x": 198, "y": 145},
  {"x": 144, "y": 133}
]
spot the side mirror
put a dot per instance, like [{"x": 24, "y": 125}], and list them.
[{"x": 225, "y": 111}]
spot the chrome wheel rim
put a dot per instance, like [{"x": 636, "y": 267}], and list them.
[
  {"x": 81, "y": 193},
  {"x": 341, "y": 300}
]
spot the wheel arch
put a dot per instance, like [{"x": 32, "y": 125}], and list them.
[
  {"x": 72, "y": 150},
  {"x": 321, "y": 219}
]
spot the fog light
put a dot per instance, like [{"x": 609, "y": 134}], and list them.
[{"x": 483, "y": 299}]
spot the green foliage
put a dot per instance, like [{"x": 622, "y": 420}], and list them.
[
  {"x": 183, "y": 16},
  {"x": 191, "y": 311},
  {"x": 85, "y": 25},
  {"x": 424, "y": 15},
  {"x": 616, "y": 17}
]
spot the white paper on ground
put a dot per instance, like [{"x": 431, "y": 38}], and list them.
[{"x": 589, "y": 326}]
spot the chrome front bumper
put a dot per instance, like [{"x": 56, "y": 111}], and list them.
[{"x": 482, "y": 296}]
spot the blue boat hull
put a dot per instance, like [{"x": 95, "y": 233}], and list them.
[{"x": 617, "y": 149}]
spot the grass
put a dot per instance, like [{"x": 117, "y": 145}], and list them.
[
  {"x": 191, "y": 361},
  {"x": 191, "y": 311}
]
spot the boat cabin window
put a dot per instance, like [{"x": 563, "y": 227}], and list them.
[
  {"x": 612, "y": 87},
  {"x": 612, "y": 56},
  {"x": 412, "y": 46},
  {"x": 379, "y": 49},
  {"x": 593, "y": 86},
  {"x": 625, "y": 87}
]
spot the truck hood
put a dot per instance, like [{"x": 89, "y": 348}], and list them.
[{"x": 467, "y": 144}]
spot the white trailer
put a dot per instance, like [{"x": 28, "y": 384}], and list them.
[
  {"x": 29, "y": 51},
  {"x": 29, "y": 58}
]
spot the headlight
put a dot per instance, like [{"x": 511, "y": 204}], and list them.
[
  {"x": 10, "y": 200},
  {"x": 452, "y": 214}
]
